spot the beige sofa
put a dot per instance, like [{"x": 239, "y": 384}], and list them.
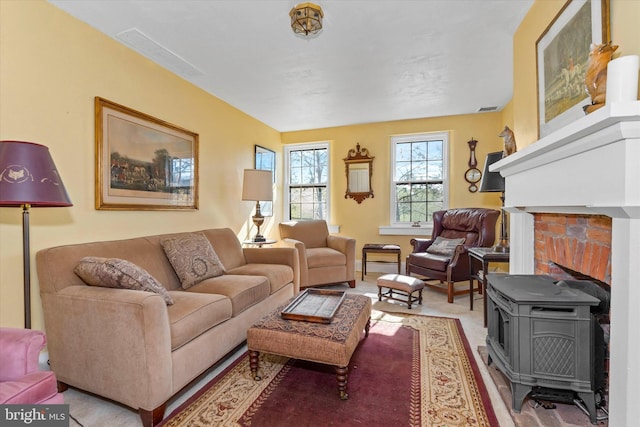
[
  {"x": 129, "y": 345},
  {"x": 324, "y": 258}
]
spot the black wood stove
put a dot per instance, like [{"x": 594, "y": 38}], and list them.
[{"x": 544, "y": 334}]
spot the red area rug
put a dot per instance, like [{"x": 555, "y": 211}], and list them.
[{"x": 411, "y": 370}]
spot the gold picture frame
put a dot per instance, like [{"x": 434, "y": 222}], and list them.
[
  {"x": 562, "y": 54},
  {"x": 143, "y": 163}
]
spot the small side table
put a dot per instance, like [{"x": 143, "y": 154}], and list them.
[
  {"x": 482, "y": 257},
  {"x": 378, "y": 248},
  {"x": 258, "y": 244}
]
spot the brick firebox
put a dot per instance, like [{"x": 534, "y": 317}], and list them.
[{"x": 581, "y": 243}]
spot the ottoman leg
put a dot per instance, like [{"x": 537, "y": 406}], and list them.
[
  {"x": 253, "y": 364},
  {"x": 366, "y": 327},
  {"x": 341, "y": 375},
  {"x": 379, "y": 293}
]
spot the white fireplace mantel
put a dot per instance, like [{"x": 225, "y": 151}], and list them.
[{"x": 591, "y": 166}]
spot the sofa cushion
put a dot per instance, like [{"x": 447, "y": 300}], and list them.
[
  {"x": 194, "y": 313},
  {"x": 443, "y": 246},
  {"x": 325, "y": 257},
  {"x": 243, "y": 291},
  {"x": 279, "y": 275},
  {"x": 119, "y": 273},
  {"x": 193, "y": 258}
]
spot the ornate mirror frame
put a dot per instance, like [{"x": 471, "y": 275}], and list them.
[{"x": 358, "y": 167}]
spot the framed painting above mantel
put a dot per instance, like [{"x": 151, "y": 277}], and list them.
[
  {"x": 562, "y": 54},
  {"x": 143, "y": 163}
]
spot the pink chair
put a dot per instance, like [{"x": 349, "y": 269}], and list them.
[{"x": 21, "y": 382}]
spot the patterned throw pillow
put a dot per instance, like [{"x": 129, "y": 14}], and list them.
[
  {"x": 192, "y": 258},
  {"x": 119, "y": 273},
  {"x": 443, "y": 246}
]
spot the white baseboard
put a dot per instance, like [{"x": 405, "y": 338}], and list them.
[{"x": 43, "y": 361}]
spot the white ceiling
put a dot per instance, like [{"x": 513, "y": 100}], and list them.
[{"x": 374, "y": 60}]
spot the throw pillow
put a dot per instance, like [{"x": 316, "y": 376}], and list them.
[
  {"x": 119, "y": 273},
  {"x": 444, "y": 246},
  {"x": 192, "y": 258}
]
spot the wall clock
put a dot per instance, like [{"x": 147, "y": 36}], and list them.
[{"x": 473, "y": 174}]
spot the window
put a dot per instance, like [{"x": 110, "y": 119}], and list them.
[
  {"x": 419, "y": 177},
  {"x": 307, "y": 181}
]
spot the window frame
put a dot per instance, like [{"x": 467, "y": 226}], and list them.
[
  {"x": 419, "y": 137},
  {"x": 287, "y": 175}
]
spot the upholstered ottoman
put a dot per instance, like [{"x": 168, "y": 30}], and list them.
[
  {"x": 330, "y": 344},
  {"x": 404, "y": 285}
]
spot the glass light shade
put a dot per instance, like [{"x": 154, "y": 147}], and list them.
[{"x": 306, "y": 19}]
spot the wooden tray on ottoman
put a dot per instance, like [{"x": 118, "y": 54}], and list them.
[{"x": 314, "y": 305}]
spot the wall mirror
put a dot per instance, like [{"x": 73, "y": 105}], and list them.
[
  {"x": 359, "y": 169},
  {"x": 265, "y": 159}
]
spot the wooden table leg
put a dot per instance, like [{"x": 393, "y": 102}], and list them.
[
  {"x": 253, "y": 364},
  {"x": 485, "y": 266},
  {"x": 341, "y": 375},
  {"x": 364, "y": 264},
  {"x": 366, "y": 327}
]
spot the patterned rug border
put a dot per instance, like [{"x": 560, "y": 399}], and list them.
[{"x": 377, "y": 315}]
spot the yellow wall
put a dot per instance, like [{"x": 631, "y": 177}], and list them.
[
  {"x": 52, "y": 67},
  {"x": 625, "y": 32},
  {"x": 361, "y": 221}
]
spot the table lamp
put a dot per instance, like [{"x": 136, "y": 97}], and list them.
[
  {"x": 28, "y": 178},
  {"x": 257, "y": 186},
  {"x": 494, "y": 182}
]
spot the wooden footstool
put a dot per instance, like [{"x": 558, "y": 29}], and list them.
[
  {"x": 330, "y": 344},
  {"x": 404, "y": 285}
]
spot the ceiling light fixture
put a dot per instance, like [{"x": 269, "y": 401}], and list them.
[{"x": 306, "y": 19}]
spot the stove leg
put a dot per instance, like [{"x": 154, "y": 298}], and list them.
[
  {"x": 589, "y": 400},
  {"x": 518, "y": 393}
]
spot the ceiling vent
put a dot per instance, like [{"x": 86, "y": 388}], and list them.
[
  {"x": 153, "y": 50},
  {"x": 487, "y": 109}
]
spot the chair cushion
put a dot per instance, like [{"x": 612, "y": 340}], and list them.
[
  {"x": 443, "y": 246},
  {"x": 119, "y": 273},
  {"x": 192, "y": 258},
  {"x": 325, "y": 257},
  {"x": 430, "y": 261}
]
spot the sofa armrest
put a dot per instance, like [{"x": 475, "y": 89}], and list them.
[
  {"x": 302, "y": 259},
  {"x": 114, "y": 342},
  {"x": 283, "y": 255},
  {"x": 420, "y": 245}
]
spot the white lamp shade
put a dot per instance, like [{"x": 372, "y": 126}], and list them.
[{"x": 257, "y": 185}]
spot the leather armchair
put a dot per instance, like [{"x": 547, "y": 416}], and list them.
[
  {"x": 324, "y": 258},
  {"x": 21, "y": 381},
  {"x": 475, "y": 225}
]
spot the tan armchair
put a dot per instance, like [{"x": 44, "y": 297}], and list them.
[
  {"x": 470, "y": 227},
  {"x": 324, "y": 258}
]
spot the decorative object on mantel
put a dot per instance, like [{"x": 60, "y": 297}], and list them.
[
  {"x": 595, "y": 78},
  {"x": 359, "y": 169},
  {"x": 29, "y": 178},
  {"x": 622, "y": 84},
  {"x": 494, "y": 182},
  {"x": 306, "y": 19},
  {"x": 257, "y": 185},
  {"x": 562, "y": 54},
  {"x": 473, "y": 174},
  {"x": 509, "y": 141}
]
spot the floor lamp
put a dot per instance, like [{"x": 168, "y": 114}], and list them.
[
  {"x": 257, "y": 185},
  {"x": 494, "y": 182},
  {"x": 28, "y": 178}
]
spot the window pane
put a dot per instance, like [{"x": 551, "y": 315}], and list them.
[
  {"x": 418, "y": 212},
  {"x": 419, "y": 151},
  {"x": 419, "y": 171},
  {"x": 403, "y": 152},
  {"x": 419, "y": 192}
]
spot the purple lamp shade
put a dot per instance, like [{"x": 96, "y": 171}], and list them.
[{"x": 29, "y": 176}]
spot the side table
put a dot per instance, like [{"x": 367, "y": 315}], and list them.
[
  {"x": 258, "y": 244},
  {"x": 482, "y": 257},
  {"x": 378, "y": 248}
]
